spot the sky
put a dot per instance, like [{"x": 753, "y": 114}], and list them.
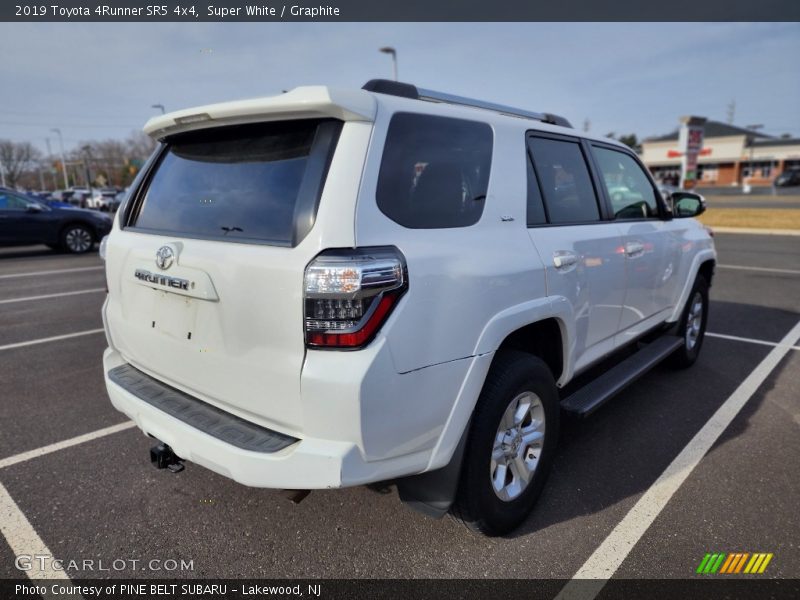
[{"x": 100, "y": 80}]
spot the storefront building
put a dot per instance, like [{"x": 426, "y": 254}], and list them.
[{"x": 731, "y": 156}]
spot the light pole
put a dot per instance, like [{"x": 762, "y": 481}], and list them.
[
  {"x": 751, "y": 169},
  {"x": 50, "y": 168},
  {"x": 393, "y": 52},
  {"x": 63, "y": 161},
  {"x": 159, "y": 106}
]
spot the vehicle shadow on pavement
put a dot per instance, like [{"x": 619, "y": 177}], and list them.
[{"x": 617, "y": 453}]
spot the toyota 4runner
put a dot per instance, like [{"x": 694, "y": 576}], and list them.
[{"x": 329, "y": 288}]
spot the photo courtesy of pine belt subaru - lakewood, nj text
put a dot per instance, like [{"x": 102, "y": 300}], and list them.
[{"x": 334, "y": 287}]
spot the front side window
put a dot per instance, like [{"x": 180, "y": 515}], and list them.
[
  {"x": 10, "y": 202},
  {"x": 239, "y": 183},
  {"x": 434, "y": 172},
  {"x": 631, "y": 194},
  {"x": 565, "y": 181}
]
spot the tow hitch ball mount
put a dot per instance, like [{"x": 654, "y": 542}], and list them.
[{"x": 163, "y": 457}]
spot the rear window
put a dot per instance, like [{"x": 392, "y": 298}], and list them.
[
  {"x": 565, "y": 181},
  {"x": 246, "y": 183},
  {"x": 435, "y": 171}
]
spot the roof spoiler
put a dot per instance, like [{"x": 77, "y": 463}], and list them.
[{"x": 299, "y": 103}]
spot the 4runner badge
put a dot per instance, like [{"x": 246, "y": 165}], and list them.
[{"x": 164, "y": 257}]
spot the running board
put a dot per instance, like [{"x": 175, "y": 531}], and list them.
[{"x": 596, "y": 393}]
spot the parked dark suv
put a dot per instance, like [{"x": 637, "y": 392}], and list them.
[
  {"x": 26, "y": 221},
  {"x": 788, "y": 178}
]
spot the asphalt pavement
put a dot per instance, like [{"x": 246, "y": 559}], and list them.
[{"x": 102, "y": 500}]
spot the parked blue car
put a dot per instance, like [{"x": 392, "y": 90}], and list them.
[{"x": 28, "y": 220}]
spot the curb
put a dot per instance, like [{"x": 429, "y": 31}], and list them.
[{"x": 753, "y": 231}]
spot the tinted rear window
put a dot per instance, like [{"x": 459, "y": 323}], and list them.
[
  {"x": 566, "y": 184},
  {"x": 256, "y": 183},
  {"x": 435, "y": 171}
]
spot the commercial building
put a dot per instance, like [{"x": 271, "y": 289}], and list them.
[{"x": 731, "y": 156}]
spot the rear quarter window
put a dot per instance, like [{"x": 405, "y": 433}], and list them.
[
  {"x": 245, "y": 183},
  {"x": 434, "y": 171}
]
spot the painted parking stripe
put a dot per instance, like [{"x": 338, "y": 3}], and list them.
[
  {"x": 610, "y": 554},
  {"x": 736, "y": 338},
  {"x": 52, "y": 272},
  {"x": 765, "y": 269},
  {"x": 24, "y": 541},
  {"x": 48, "y": 296},
  {"x": 55, "y": 338},
  {"x": 86, "y": 437}
]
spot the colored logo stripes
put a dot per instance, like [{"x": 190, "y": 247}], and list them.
[{"x": 734, "y": 562}]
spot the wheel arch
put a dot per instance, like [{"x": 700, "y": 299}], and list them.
[
  {"x": 704, "y": 264},
  {"x": 543, "y": 339}
]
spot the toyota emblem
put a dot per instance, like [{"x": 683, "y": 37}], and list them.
[{"x": 164, "y": 257}]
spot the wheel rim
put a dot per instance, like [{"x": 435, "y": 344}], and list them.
[
  {"x": 517, "y": 446},
  {"x": 78, "y": 240},
  {"x": 694, "y": 321}
]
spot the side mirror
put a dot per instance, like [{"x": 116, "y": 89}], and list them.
[
  {"x": 687, "y": 204},
  {"x": 34, "y": 208}
]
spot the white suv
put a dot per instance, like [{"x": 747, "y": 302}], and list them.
[{"x": 330, "y": 287}]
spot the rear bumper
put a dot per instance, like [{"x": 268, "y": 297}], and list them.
[{"x": 309, "y": 463}]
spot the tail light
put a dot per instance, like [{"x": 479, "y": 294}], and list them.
[{"x": 349, "y": 294}]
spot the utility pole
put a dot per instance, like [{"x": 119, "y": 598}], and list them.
[
  {"x": 731, "y": 111},
  {"x": 63, "y": 161}
]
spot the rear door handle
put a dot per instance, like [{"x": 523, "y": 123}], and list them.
[
  {"x": 564, "y": 260},
  {"x": 634, "y": 249}
]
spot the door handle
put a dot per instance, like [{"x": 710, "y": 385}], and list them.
[
  {"x": 634, "y": 249},
  {"x": 564, "y": 260}
]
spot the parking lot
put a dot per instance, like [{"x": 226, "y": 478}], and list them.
[{"x": 99, "y": 498}]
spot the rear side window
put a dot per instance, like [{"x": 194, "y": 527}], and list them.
[
  {"x": 247, "y": 183},
  {"x": 565, "y": 182},
  {"x": 631, "y": 194},
  {"x": 435, "y": 171},
  {"x": 536, "y": 214}
]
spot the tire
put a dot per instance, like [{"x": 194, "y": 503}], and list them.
[
  {"x": 77, "y": 239},
  {"x": 692, "y": 327},
  {"x": 514, "y": 379}
]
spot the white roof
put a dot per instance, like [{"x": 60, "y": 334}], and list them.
[
  {"x": 302, "y": 102},
  {"x": 325, "y": 102}
]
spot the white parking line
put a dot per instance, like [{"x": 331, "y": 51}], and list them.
[
  {"x": 24, "y": 540},
  {"x": 55, "y": 338},
  {"x": 765, "y": 269},
  {"x": 609, "y": 555},
  {"x": 736, "y": 338},
  {"x": 47, "y": 296},
  {"x": 86, "y": 437},
  {"x": 53, "y": 272}
]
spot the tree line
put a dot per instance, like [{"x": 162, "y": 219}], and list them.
[{"x": 92, "y": 162}]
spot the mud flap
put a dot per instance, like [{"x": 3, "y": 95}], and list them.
[{"x": 432, "y": 493}]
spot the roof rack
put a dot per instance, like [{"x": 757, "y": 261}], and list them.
[{"x": 407, "y": 90}]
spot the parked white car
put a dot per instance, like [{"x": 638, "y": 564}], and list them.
[{"x": 329, "y": 287}]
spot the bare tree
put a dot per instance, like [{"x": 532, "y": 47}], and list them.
[
  {"x": 139, "y": 145},
  {"x": 17, "y": 159}
]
